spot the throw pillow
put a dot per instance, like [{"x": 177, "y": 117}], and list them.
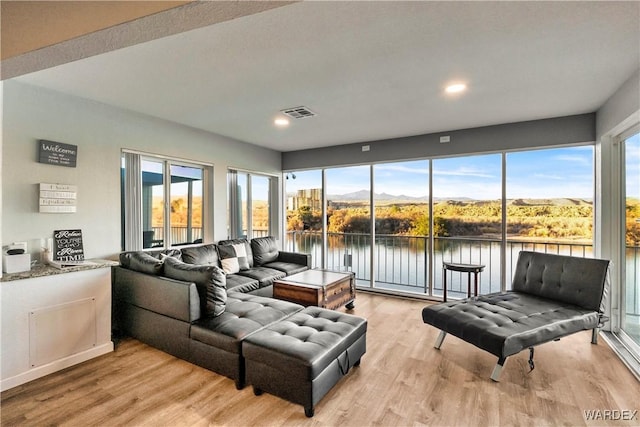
[
  {"x": 233, "y": 258},
  {"x": 209, "y": 279},
  {"x": 145, "y": 263},
  {"x": 265, "y": 250},
  {"x": 245, "y": 242},
  {"x": 205, "y": 254}
]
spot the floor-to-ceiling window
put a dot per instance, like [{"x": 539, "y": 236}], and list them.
[
  {"x": 394, "y": 224},
  {"x": 402, "y": 226},
  {"x": 348, "y": 193},
  {"x": 304, "y": 214},
  {"x": 467, "y": 220},
  {"x": 549, "y": 196}
]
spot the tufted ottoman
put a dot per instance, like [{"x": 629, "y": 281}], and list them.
[{"x": 302, "y": 357}]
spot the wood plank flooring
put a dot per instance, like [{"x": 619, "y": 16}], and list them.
[{"x": 402, "y": 381}]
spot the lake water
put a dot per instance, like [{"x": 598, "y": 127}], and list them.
[{"x": 402, "y": 263}]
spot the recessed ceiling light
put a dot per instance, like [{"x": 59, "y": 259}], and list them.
[
  {"x": 456, "y": 88},
  {"x": 281, "y": 122}
]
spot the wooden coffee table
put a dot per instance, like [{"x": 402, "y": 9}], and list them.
[{"x": 320, "y": 288}]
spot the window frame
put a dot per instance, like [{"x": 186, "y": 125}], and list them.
[
  {"x": 133, "y": 227},
  {"x": 234, "y": 204}
]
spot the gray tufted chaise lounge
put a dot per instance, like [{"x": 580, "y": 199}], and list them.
[{"x": 552, "y": 296}]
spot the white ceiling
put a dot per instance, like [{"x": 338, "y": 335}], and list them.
[{"x": 370, "y": 70}]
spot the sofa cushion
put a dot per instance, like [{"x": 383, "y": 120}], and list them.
[
  {"x": 244, "y": 242},
  {"x": 203, "y": 255},
  {"x": 264, "y": 275},
  {"x": 144, "y": 263},
  {"x": 245, "y": 315},
  {"x": 265, "y": 250},
  {"x": 209, "y": 279},
  {"x": 288, "y": 268},
  {"x": 233, "y": 258},
  {"x": 238, "y": 283}
]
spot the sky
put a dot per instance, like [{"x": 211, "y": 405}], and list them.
[{"x": 539, "y": 174}]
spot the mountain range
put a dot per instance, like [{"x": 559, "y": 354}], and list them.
[{"x": 363, "y": 195}]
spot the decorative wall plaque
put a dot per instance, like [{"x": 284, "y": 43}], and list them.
[
  {"x": 57, "y": 153},
  {"x": 58, "y": 198},
  {"x": 68, "y": 245}
]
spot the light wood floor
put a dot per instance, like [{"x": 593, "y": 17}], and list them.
[{"x": 402, "y": 381}]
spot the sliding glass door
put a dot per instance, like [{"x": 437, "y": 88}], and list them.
[{"x": 630, "y": 291}]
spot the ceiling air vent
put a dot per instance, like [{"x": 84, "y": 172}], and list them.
[{"x": 298, "y": 112}]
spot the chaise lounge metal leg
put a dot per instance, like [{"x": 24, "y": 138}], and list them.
[
  {"x": 594, "y": 336},
  {"x": 495, "y": 375},
  {"x": 440, "y": 339}
]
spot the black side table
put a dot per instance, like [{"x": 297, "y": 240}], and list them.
[{"x": 463, "y": 268}]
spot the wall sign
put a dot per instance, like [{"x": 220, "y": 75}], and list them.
[
  {"x": 57, "y": 153},
  {"x": 58, "y": 198},
  {"x": 68, "y": 245}
]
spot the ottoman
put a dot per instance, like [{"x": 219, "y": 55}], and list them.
[{"x": 302, "y": 357}]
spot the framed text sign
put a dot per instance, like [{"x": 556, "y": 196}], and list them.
[
  {"x": 58, "y": 198},
  {"x": 68, "y": 245},
  {"x": 57, "y": 153}
]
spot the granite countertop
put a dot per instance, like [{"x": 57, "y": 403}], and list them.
[{"x": 41, "y": 270}]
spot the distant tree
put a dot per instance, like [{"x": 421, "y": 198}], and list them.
[{"x": 420, "y": 225}]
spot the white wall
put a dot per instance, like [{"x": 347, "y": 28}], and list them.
[
  {"x": 100, "y": 132},
  {"x": 622, "y": 104}
]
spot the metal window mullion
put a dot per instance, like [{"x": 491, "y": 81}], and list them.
[
  {"x": 167, "y": 203},
  {"x": 503, "y": 246},
  {"x": 430, "y": 279},
  {"x": 323, "y": 252},
  {"x": 249, "y": 208},
  {"x": 372, "y": 217}
]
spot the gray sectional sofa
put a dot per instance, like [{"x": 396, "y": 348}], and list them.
[
  {"x": 168, "y": 299},
  {"x": 200, "y": 303}
]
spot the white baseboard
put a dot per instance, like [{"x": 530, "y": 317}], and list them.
[{"x": 55, "y": 366}]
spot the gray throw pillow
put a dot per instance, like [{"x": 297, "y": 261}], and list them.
[
  {"x": 145, "y": 263},
  {"x": 265, "y": 249},
  {"x": 205, "y": 254},
  {"x": 209, "y": 279}
]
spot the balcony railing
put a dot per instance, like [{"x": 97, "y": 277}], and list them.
[
  {"x": 404, "y": 263},
  {"x": 179, "y": 235}
]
